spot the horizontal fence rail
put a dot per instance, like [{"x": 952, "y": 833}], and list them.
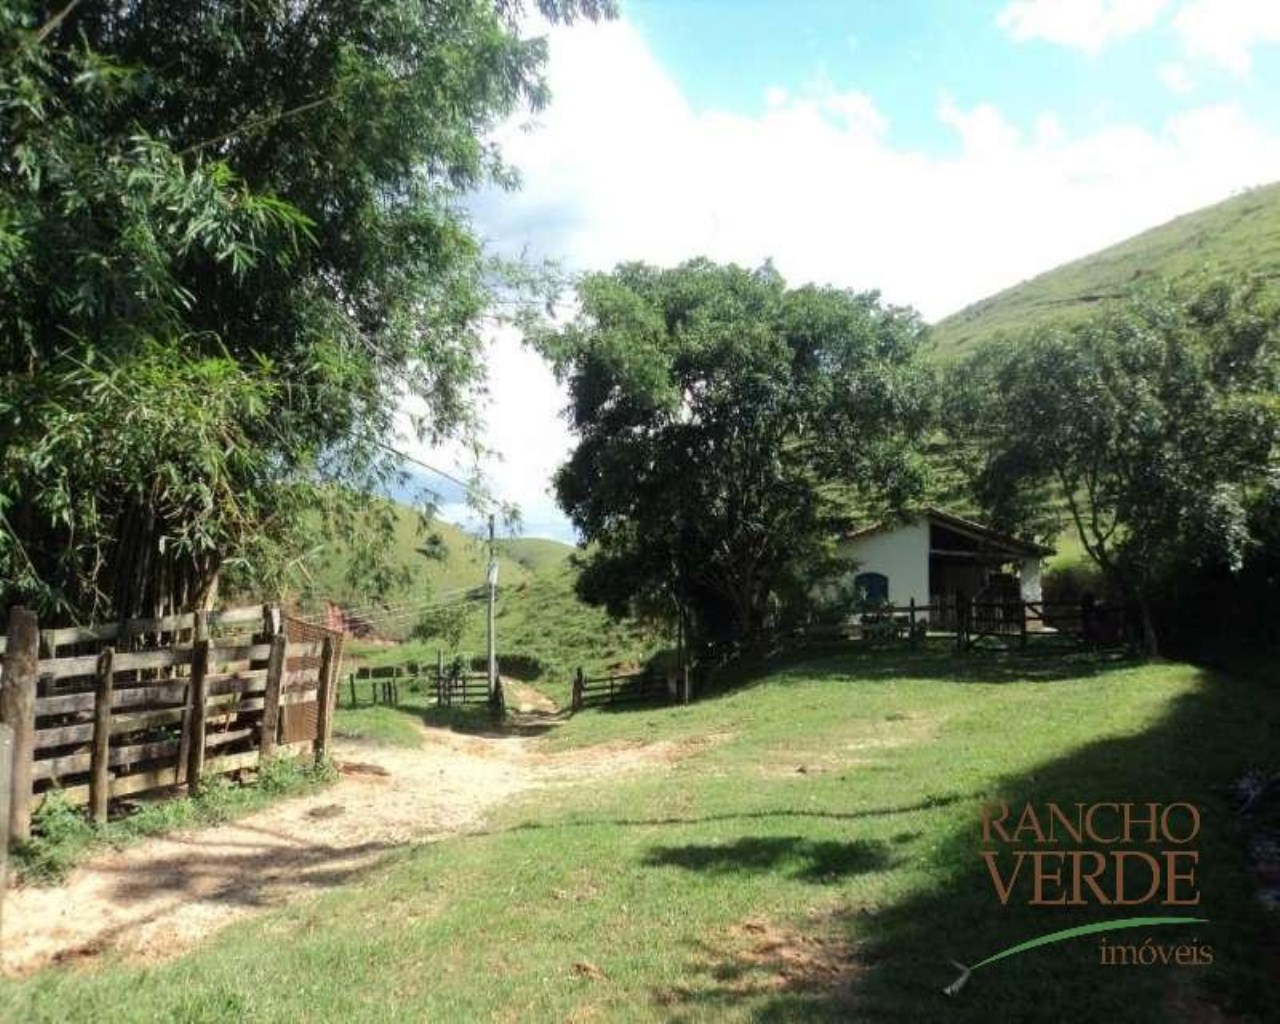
[
  {"x": 1042, "y": 625},
  {"x": 449, "y": 686},
  {"x": 627, "y": 687},
  {"x": 159, "y": 702}
]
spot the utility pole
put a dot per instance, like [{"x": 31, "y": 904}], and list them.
[{"x": 495, "y": 695}]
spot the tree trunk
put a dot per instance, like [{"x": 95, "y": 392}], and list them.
[{"x": 1150, "y": 641}]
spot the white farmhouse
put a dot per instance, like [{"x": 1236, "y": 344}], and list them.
[{"x": 933, "y": 557}]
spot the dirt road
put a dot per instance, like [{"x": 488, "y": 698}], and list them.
[{"x": 155, "y": 899}]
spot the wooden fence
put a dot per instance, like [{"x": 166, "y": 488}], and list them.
[
  {"x": 967, "y": 623},
  {"x": 450, "y": 687},
  {"x": 1033, "y": 626},
  {"x": 107, "y": 711},
  {"x": 625, "y": 688}
]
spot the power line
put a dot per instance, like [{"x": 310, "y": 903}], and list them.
[
  {"x": 380, "y": 609},
  {"x": 407, "y": 612},
  {"x": 469, "y": 488},
  {"x": 377, "y": 607}
]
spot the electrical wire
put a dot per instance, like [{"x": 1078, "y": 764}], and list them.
[
  {"x": 377, "y": 607},
  {"x": 395, "y": 616}
]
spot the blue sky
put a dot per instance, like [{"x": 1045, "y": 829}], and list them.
[
  {"x": 726, "y": 54},
  {"x": 934, "y": 151}
]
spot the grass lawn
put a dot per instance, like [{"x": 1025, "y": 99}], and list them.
[{"x": 810, "y": 851}]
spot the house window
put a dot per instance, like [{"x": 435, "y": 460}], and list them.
[{"x": 872, "y": 586}]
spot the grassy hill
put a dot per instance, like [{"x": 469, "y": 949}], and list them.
[
  {"x": 538, "y": 614},
  {"x": 1240, "y": 234},
  {"x": 457, "y": 562}
]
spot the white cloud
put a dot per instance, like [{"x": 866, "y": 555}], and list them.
[
  {"x": 524, "y": 431},
  {"x": 1227, "y": 31},
  {"x": 1088, "y": 25},
  {"x": 1176, "y": 78},
  {"x": 622, "y": 168}
]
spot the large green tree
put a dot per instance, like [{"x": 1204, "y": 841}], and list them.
[
  {"x": 232, "y": 242},
  {"x": 1151, "y": 429},
  {"x": 727, "y": 427}
]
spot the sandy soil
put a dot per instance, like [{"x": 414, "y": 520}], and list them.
[{"x": 155, "y": 899}]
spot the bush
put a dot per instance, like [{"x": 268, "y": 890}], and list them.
[
  {"x": 1067, "y": 584},
  {"x": 524, "y": 667},
  {"x": 60, "y": 834}
]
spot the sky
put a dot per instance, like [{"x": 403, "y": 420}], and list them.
[{"x": 937, "y": 151}]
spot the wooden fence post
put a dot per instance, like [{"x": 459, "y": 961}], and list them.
[
  {"x": 199, "y": 631},
  {"x": 324, "y": 699},
  {"x": 686, "y": 685},
  {"x": 352, "y": 679},
  {"x": 576, "y": 703},
  {"x": 271, "y": 698},
  {"x": 18, "y": 711},
  {"x": 100, "y": 756},
  {"x": 198, "y": 715},
  {"x": 272, "y": 622},
  {"x": 911, "y": 624},
  {"x": 6, "y": 767},
  {"x": 1022, "y": 637}
]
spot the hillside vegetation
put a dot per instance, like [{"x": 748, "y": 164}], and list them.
[
  {"x": 538, "y": 614},
  {"x": 1241, "y": 234},
  {"x": 440, "y": 560}
]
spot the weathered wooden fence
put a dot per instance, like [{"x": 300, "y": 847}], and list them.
[
  {"x": 384, "y": 682},
  {"x": 106, "y": 711},
  {"x": 625, "y": 688},
  {"x": 462, "y": 688},
  {"x": 967, "y": 623},
  {"x": 450, "y": 687}
]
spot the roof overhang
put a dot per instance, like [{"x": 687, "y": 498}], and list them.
[{"x": 993, "y": 541}]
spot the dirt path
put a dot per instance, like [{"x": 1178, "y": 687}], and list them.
[{"x": 155, "y": 899}]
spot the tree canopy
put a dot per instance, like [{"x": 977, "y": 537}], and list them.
[
  {"x": 1155, "y": 426},
  {"x": 727, "y": 427},
  {"x": 231, "y": 243}
]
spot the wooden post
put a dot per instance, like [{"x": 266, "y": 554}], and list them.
[
  {"x": 18, "y": 711},
  {"x": 495, "y": 698},
  {"x": 6, "y": 767},
  {"x": 199, "y": 631},
  {"x": 197, "y": 714},
  {"x": 576, "y": 703},
  {"x": 271, "y": 699},
  {"x": 911, "y": 623},
  {"x": 352, "y": 679},
  {"x": 686, "y": 686},
  {"x": 1022, "y": 638},
  {"x": 272, "y": 623},
  {"x": 99, "y": 773},
  {"x": 325, "y": 697}
]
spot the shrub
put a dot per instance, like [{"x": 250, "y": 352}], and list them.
[{"x": 60, "y": 834}]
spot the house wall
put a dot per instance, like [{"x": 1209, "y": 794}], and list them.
[
  {"x": 1030, "y": 577},
  {"x": 901, "y": 554}
]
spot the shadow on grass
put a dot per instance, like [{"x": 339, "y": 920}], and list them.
[
  {"x": 926, "y": 804},
  {"x": 934, "y": 661},
  {"x": 937, "y": 659},
  {"x": 899, "y": 956},
  {"x": 475, "y": 719},
  {"x": 794, "y": 856}
]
